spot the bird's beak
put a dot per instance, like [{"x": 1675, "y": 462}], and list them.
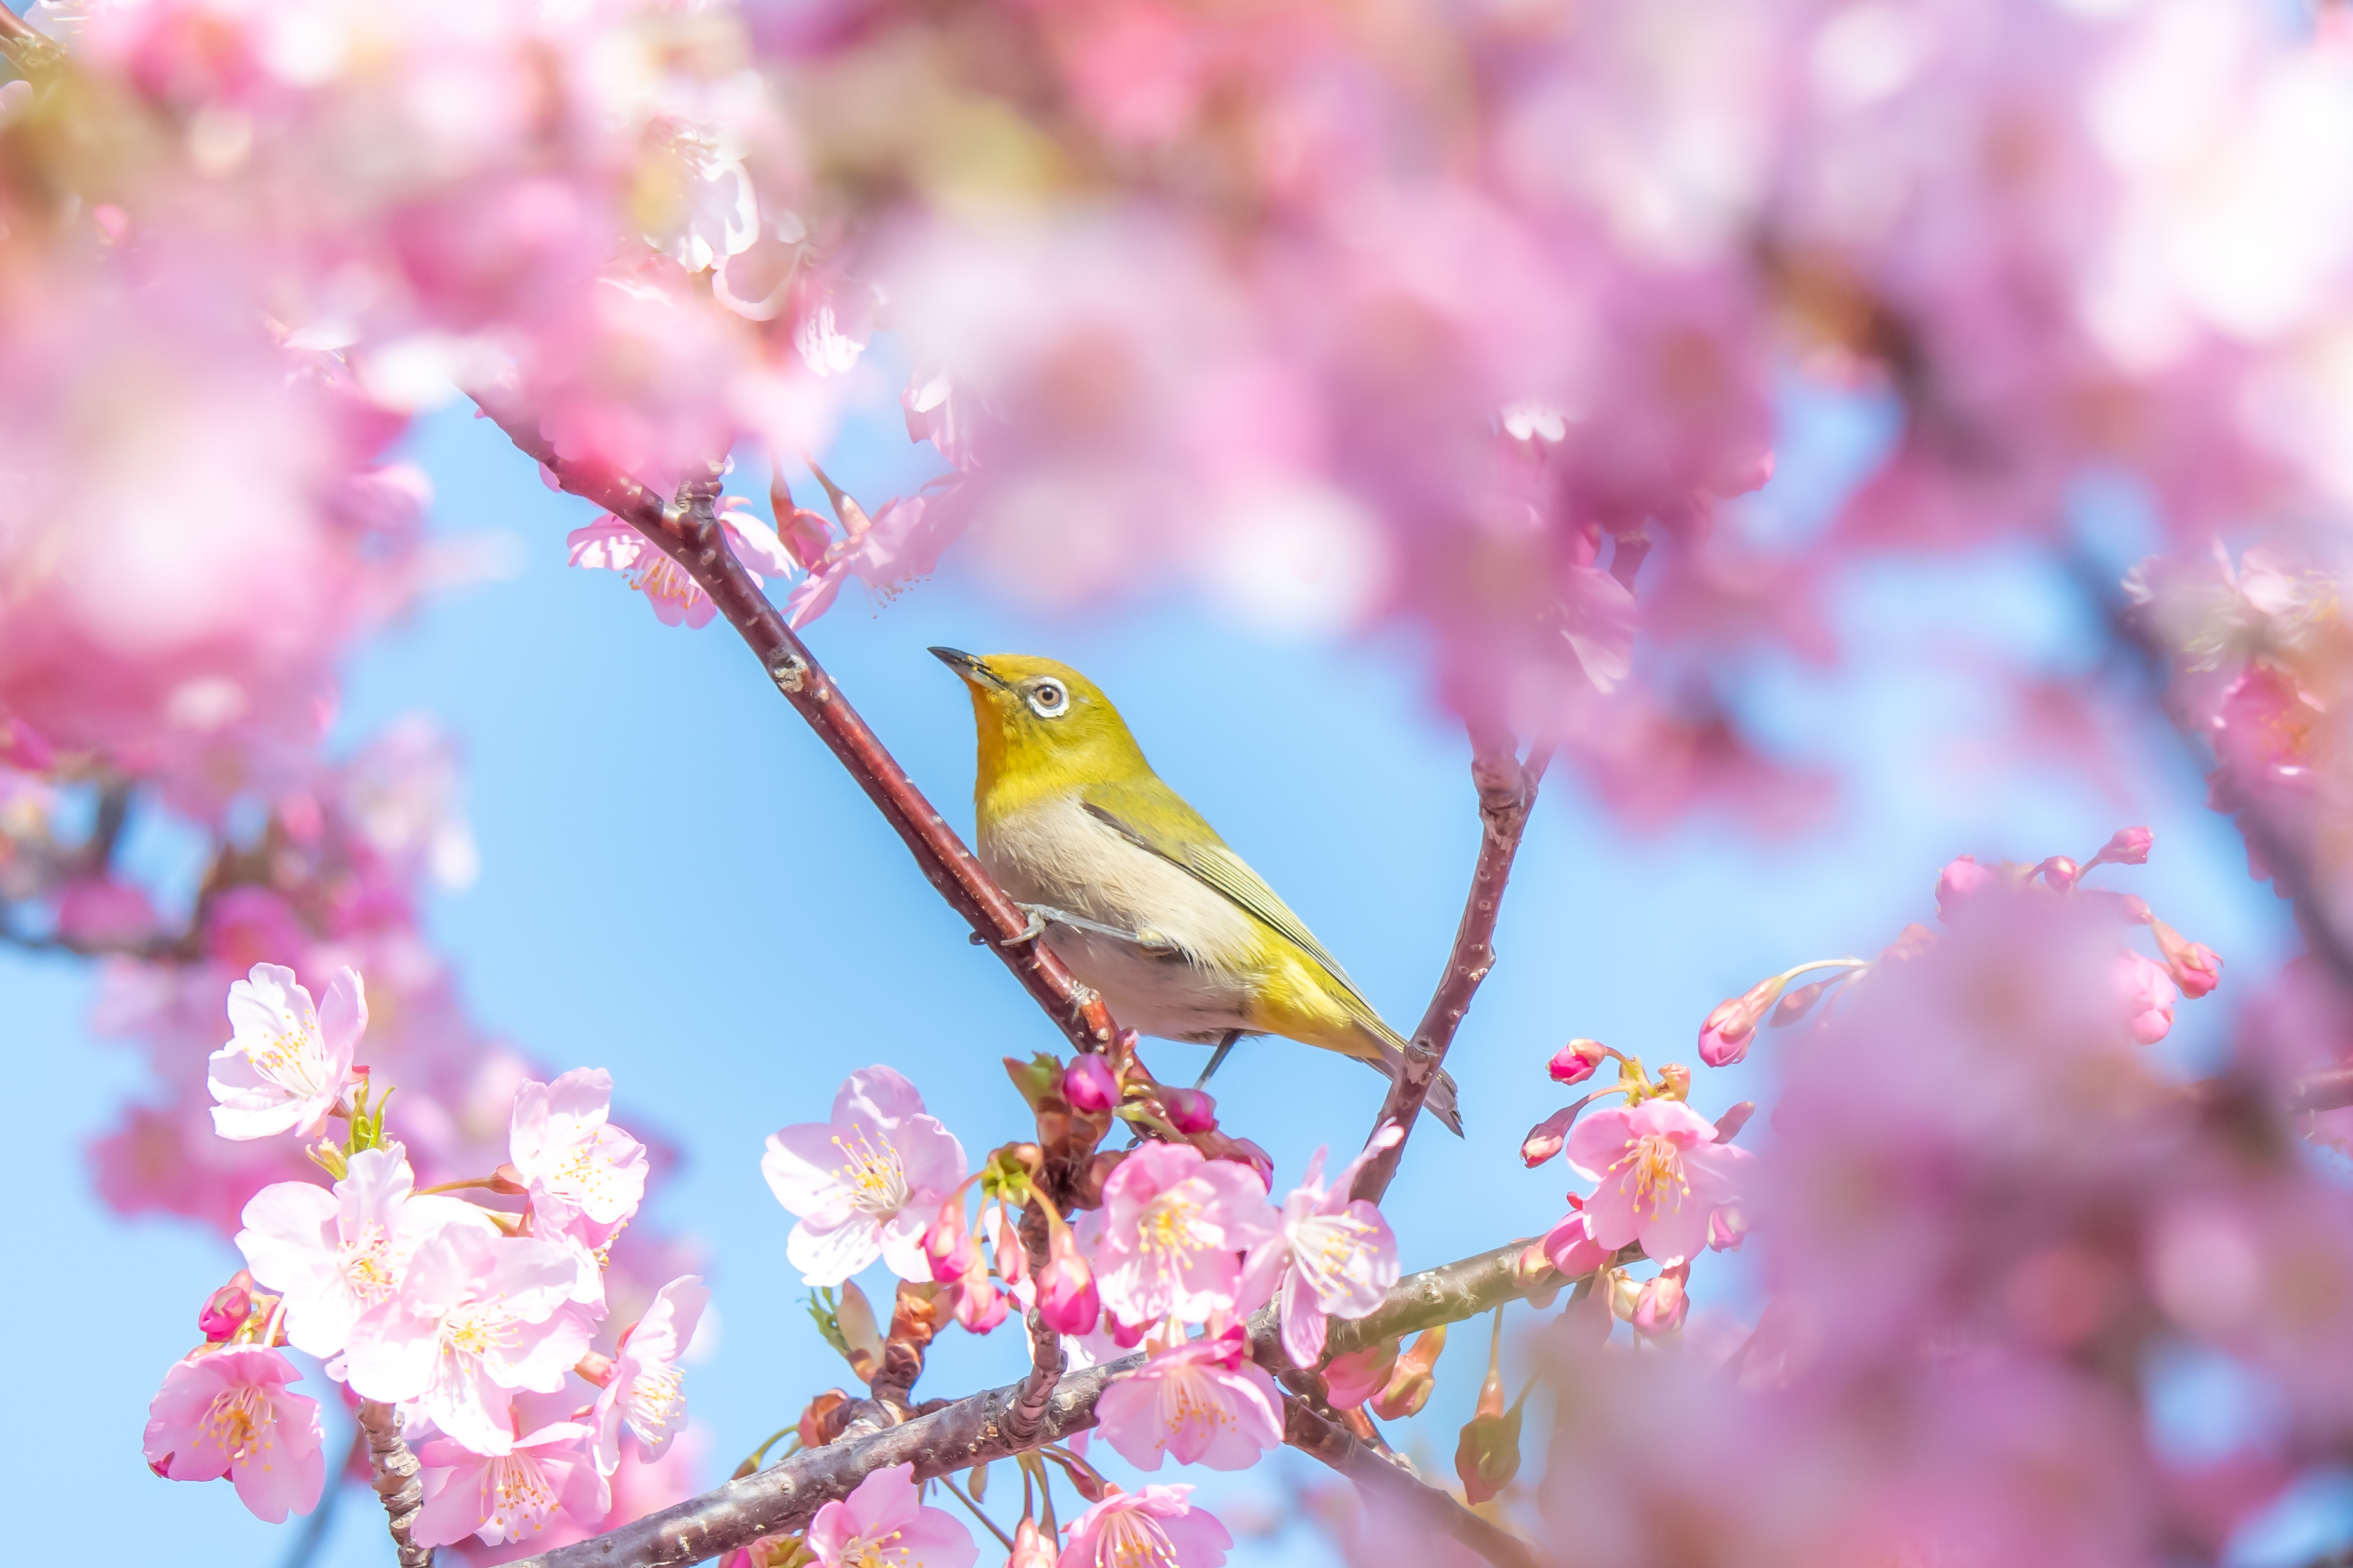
[{"x": 970, "y": 668}]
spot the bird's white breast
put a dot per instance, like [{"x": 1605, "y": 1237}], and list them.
[{"x": 1057, "y": 854}]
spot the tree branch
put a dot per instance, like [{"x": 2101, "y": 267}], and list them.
[
  {"x": 392, "y": 1470},
  {"x": 1507, "y": 792},
  {"x": 688, "y": 531},
  {"x": 977, "y": 1429},
  {"x": 1311, "y": 1434}
]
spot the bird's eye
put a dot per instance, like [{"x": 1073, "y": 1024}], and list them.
[{"x": 1050, "y": 700}]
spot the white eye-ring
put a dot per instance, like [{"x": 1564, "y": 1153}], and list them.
[{"x": 1050, "y": 700}]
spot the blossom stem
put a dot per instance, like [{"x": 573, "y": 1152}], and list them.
[
  {"x": 392, "y": 1471},
  {"x": 688, "y": 533},
  {"x": 1507, "y": 794},
  {"x": 974, "y": 1430}
]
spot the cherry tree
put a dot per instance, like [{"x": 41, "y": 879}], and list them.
[{"x": 1475, "y": 321}]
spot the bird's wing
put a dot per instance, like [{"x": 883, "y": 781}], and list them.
[{"x": 1193, "y": 847}]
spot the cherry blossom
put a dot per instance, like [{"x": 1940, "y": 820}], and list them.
[
  {"x": 1175, "y": 1227},
  {"x": 476, "y": 1317},
  {"x": 333, "y": 1255},
  {"x": 288, "y": 1064},
  {"x": 677, "y": 599},
  {"x": 883, "y": 1521},
  {"x": 902, "y": 541},
  {"x": 1663, "y": 1174},
  {"x": 864, "y": 1183},
  {"x": 225, "y": 1411},
  {"x": 1153, "y": 1524},
  {"x": 1202, "y": 1401},
  {"x": 643, "y": 1391},
  {"x": 586, "y": 1175},
  {"x": 1333, "y": 1256},
  {"x": 511, "y": 1495}
]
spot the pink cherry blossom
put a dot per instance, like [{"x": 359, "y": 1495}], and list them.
[
  {"x": 865, "y": 1184},
  {"x": 1662, "y": 1172},
  {"x": 1156, "y": 1524},
  {"x": 1351, "y": 1379},
  {"x": 2144, "y": 996},
  {"x": 512, "y": 1495},
  {"x": 643, "y": 1392},
  {"x": 333, "y": 1255},
  {"x": 287, "y": 1063},
  {"x": 1959, "y": 881},
  {"x": 884, "y": 1522},
  {"x": 225, "y": 1411},
  {"x": 902, "y": 542},
  {"x": 477, "y": 1317},
  {"x": 1175, "y": 1227},
  {"x": 587, "y": 1176},
  {"x": 677, "y": 599},
  {"x": 1203, "y": 1401},
  {"x": 1332, "y": 1255}
]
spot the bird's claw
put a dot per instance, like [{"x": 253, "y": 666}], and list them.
[{"x": 1030, "y": 932}]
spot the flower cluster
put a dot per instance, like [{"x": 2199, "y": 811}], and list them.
[{"x": 475, "y": 1323}]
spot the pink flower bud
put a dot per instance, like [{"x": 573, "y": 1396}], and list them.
[
  {"x": 1189, "y": 1110},
  {"x": 1351, "y": 1379},
  {"x": 1725, "y": 1230},
  {"x": 1011, "y": 1254},
  {"x": 979, "y": 1305},
  {"x": 948, "y": 1245},
  {"x": 1959, "y": 880},
  {"x": 2060, "y": 872},
  {"x": 1575, "y": 1061},
  {"x": 1067, "y": 1299},
  {"x": 1677, "y": 1079},
  {"x": 1030, "y": 1547},
  {"x": 2194, "y": 966},
  {"x": 1088, "y": 1084},
  {"x": 225, "y": 1311},
  {"x": 1724, "y": 1037},
  {"x": 1545, "y": 1138},
  {"x": 1660, "y": 1305},
  {"x": 2125, "y": 847},
  {"x": 1728, "y": 1125}
]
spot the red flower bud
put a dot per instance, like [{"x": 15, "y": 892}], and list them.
[
  {"x": 1189, "y": 1110},
  {"x": 1088, "y": 1084},
  {"x": 1575, "y": 1061},
  {"x": 1067, "y": 1299},
  {"x": 1724, "y": 1037},
  {"x": 2195, "y": 967},
  {"x": 2125, "y": 847},
  {"x": 225, "y": 1311},
  {"x": 948, "y": 1245}
]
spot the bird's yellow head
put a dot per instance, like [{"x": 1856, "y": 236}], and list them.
[{"x": 1045, "y": 730}]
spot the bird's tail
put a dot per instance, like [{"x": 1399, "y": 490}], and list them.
[{"x": 1440, "y": 1102}]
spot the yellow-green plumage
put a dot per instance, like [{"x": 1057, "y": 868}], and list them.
[{"x": 1189, "y": 943}]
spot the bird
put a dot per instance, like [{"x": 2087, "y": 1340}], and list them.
[{"x": 1136, "y": 892}]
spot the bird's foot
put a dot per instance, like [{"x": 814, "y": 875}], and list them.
[
  {"x": 1030, "y": 932},
  {"x": 1043, "y": 915}
]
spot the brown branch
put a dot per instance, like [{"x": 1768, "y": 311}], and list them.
[
  {"x": 392, "y": 1471},
  {"x": 688, "y": 531},
  {"x": 975, "y": 1430},
  {"x": 1311, "y": 1434},
  {"x": 1507, "y": 792},
  {"x": 1045, "y": 1359}
]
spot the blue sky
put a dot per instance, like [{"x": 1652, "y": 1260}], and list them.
[{"x": 731, "y": 955}]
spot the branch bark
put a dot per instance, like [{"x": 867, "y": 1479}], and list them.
[
  {"x": 392, "y": 1471},
  {"x": 1507, "y": 792},
  {"x": 974, "y": 1430},
  {"x": 688, "y": 531}
]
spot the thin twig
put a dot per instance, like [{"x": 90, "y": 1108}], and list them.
[
  {"x": 1507, "y": 792},
  {"x": 973, "y": 1431},
  {"x": 688, "y": 533},
  {"x": 392, "y": 1471},
  {"x": 1312, "y": 1435}
]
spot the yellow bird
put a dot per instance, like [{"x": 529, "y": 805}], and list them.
[{"x": 1130, "y": 887}]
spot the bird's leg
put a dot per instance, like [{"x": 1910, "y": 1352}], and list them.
[
  {"x": 1030, "y": 932},
  {"x": 1217, "y": 1057},
  {"x": 1043, "y": 915}
]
